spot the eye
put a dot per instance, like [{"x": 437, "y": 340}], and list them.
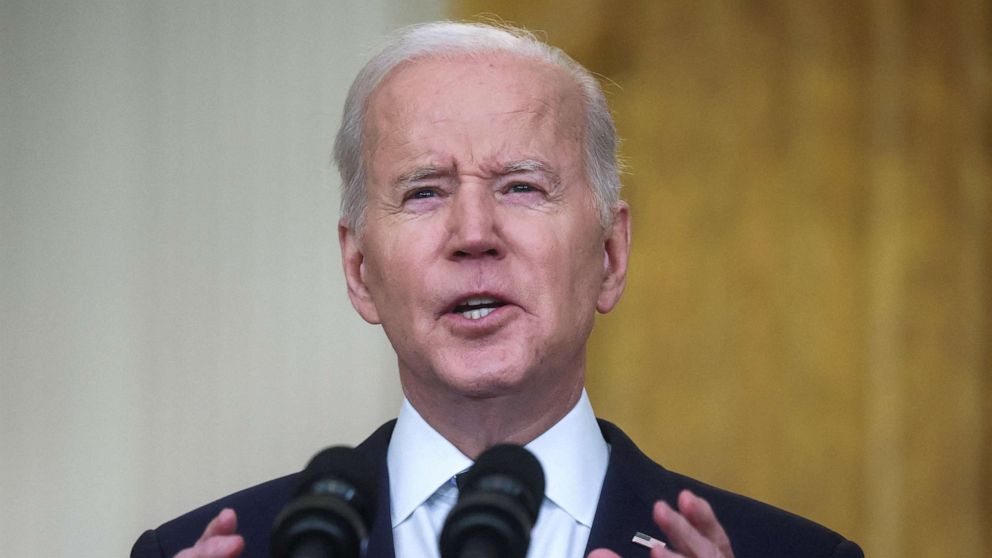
[
  {"x": 422, "y": 194},
  {"x": 520, "y": 188}
]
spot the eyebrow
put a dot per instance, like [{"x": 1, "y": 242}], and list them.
[
  {"x": 406, "y": 179},
  {"x": 526, "y": 165},
  {"x": 421, "y": 173},
  {"x": 530, "y": 165}
]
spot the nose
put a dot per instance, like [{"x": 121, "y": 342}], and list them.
[{"x": 474, "y": 224}]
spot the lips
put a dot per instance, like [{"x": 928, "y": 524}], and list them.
[{"x": 477, "y": 307}]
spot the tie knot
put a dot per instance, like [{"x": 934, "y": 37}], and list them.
[{"x": 460, "y": 480}]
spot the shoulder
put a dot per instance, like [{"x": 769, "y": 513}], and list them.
[
  {"x": 257, "y": 508},
  {"x": 754, "y": 528}
]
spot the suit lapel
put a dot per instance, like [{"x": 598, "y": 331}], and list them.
[
  {"x": 381, "y": 533},
  {"x": 628, "y": 494}
]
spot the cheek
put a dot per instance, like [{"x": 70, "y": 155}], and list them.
[
  {"x": 402, "y": 266},
  {"x": 396, "y": 277},
  {"x": 382, "y": 281},
  {"x": 585, "y": 256},
  {"x": 586, "y": 281},
  {"x": 572, "y": 273}
]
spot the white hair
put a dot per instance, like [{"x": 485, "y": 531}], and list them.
[{"x": 449, "y": 38}]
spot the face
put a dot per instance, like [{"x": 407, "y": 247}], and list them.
[{"x": 482, "y": 255}]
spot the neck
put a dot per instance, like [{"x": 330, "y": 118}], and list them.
[{"x": 472, "y": 423}]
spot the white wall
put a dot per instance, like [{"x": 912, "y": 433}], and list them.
[{"x": 173, "y": 321}]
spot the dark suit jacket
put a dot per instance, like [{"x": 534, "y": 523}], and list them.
[{"x": 633, "y": 483}]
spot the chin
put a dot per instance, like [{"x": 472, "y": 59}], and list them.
[{"x": 481, "y": 383}]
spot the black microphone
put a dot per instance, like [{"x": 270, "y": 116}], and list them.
[
  {"x": 329, "y": 514},
  {"x": 497, "y": 506}
]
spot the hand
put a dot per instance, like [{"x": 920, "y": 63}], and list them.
[
  {"x": 693, "y": 531},
  {"x": 218, "y": 539}
]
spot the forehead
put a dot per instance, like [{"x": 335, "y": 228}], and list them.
[
  {"x": 513, "y": 73},
  {"x": 488, "y": 96}
]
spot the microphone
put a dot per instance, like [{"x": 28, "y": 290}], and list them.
[
  {"x": 497, "y": 506},
  {"x": 329, "y": 514}
]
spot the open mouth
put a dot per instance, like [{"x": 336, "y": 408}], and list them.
[{"x": 476, "y": 308}]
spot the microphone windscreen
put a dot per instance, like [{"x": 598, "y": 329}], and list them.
[
  {"x": 332, "y": 509},
  {"x": 511, "y": 461},
  {"x": 340, "y": 463}
]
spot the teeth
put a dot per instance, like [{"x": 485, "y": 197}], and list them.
[
  {"x": 477, "y": 307},
  {"x": 477, "y": 301},
  {"x": 477, "y": 314}
]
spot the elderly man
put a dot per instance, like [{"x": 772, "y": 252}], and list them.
[{"x": 483, "y": 229}]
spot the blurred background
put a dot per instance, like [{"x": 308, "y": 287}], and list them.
[{"x": 808, "y": 315}]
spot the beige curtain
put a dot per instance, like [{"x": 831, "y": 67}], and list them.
[
  {"x": 174, "y": 324},
  {"x": 807, "y": 318}
]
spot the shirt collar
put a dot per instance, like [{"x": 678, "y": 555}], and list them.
[
  {"x": 420, "y": 460},
  {"x": 572, "y": 453},
  {"x": 574, "y": 456}
]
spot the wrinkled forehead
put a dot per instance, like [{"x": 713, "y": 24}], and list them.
[{"x": 440, "y": 88}]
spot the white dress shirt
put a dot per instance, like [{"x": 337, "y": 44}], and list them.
[{"x": 422, "y": 465}]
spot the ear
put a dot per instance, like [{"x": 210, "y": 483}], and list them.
[
  {"x": 616, "y": 251},
  {"x": 353, "y": 262}
]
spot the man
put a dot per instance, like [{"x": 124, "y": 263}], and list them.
[{"x": 482, "y": 228}]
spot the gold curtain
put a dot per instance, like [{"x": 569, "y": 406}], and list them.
[{"x": 807, "y": 319}]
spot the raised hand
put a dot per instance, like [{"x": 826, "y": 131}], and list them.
[
  {"x": 693, "y": 530},
  {"x": 218, "y": 540}
]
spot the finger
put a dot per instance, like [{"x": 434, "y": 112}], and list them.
[
  {"x": 218, "y": 546},
  {"x": 603, "y": 553},
  {"x": 664, "y": 552},
  {"x": 700, "y": 515},
  {"x": 226, "y": 523},
  {"x": 684, "y": 537}
]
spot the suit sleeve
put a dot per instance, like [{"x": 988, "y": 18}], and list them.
[
  {"x": 847, "y": 549},
  {"x": 147, "y": 546}
]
